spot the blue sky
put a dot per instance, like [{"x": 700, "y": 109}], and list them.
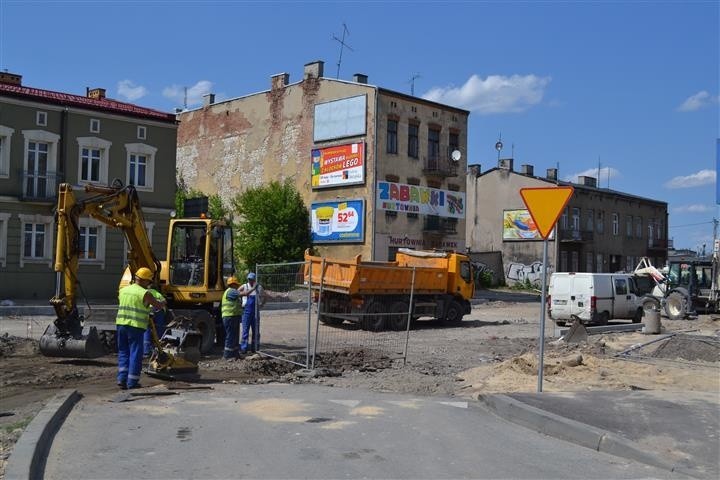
[{"x": 634, "y": 85}]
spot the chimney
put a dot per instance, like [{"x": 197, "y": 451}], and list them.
[
  {"x": 96, "y": 93},
  {"x": 506, "y": 164},
  {"x": 360, "y": 78},
  {"x": 279, "y": 81},
  {"x": 475, "y": 170},
  {"x": 587, "y": 181},
  {"x": 10, "y": 78},
  {"x": 208, "y": 99},
  {"x": 551, "y": 174},
  {"x": 314, "y": 69},
  {"x": 527, "y": 170}
]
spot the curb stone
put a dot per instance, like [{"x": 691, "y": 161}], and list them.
[
  {"x": 575, "y": 432},
  {"x": 30, "y": 453}
]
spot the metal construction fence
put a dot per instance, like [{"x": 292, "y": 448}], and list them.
[{"x": 309, "y": 321}]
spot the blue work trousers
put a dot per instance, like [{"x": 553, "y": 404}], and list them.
[
  {"x": 250, "y": 321},
  {"x": 130, "y": 354},
  {"x": 232, "y": 336},
  {"x": 159, "y": 319}
]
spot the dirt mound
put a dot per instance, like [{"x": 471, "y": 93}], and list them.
[
  {"x": 10, "y": 344},
  {"x": 354, "y": 359},
  {"x": 689, "y": 347}
]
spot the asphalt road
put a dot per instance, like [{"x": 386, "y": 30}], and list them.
[{"x": 306, "y": 431}]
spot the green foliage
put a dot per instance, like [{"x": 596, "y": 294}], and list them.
[
  {"x": 183, "y": 192},
  {"x": 484, "y": 279},
  {"x": 21, "y": 424},
  {"x": 525, "y": 285},
  {"x": 274, "y": 224}
]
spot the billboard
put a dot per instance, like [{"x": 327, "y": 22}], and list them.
[
  {"x": 519, "y": 225},
  {"x": 340, "y": 118},
  {"x": 338, "y": 165},
  {"x": 338, "y": 221},
  {"x": 399, "y": 197}
]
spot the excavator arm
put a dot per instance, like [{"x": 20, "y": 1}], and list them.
[{"x": 117, "y": 207}]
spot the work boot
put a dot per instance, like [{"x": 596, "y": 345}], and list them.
[
  {"x": 122, "y": 385},
  {"x": 137, "y": 385}
]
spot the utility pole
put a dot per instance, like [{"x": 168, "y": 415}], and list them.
[
  {"x": 343, "y": 45},
  {"x": 412, "y": 83}
]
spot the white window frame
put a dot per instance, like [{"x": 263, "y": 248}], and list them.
[
  {"x": 615, "y": 224},
  {"x": 98, "y": 144},
  {"x": 94, "y": 125},
  {"x": 576, "y": 219},
  {"x": 4, "y": 218},
  {"x": 99, "y": 259},
  {"x": 149, "y": 226},
  {"x": 41, "y": 118},
  {"x": 142, "y": 132},
  {"x": 48, "y": 244},
  {"x": 52, "y": 140},
  {"x": 149, "y": 152},
  {"x": 5, "y": 143}
]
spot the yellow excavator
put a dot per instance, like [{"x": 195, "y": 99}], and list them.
[{"x": 192, "y": 278}]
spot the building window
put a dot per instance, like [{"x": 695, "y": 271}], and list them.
[
  {"x": 575, "y": 261},
  {"x": 41, "y": 119},
  {"x": 660, "y": 229},
  {"x": 140, "y": 165},
  {"x": 638, "y": 227},
  {"x": 601, "y": 222},
  {"x": 94, "y": 125},
  {"x": 589, "y": 225},
  {"x": 651, "y": 223},
  {"x": 92, "y": 242},
  {"x": 413, "y": 141},
  {"x": 36, "y": 242},
  {"x": 39, "y": 163},
  {"x": 453, "y": 142},
  {"x": 629, "y": 226},
  {"x": 563, "y": 261},
  {"x": 5, "y": 136},
  {"x": 599, "y": 262},
  {"x": 433, "y": 144},
  {"x": 564, "y": 219},
  {"x": 4, "y": 217},
  {"x": 392, "y": 139},
  {"x": 629, "y": 263},
  {"x": 589, "y": 262},
  {"x": 141, "y": 132},
  {"x": 615, "y": 224},
  {"x": 93, "y": 159},
  {"x": 576, "y": 219}
]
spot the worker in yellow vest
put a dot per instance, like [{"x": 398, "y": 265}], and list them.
[
  {"x": 132, "y": 321},
  {"x": 231, "y": 310}
]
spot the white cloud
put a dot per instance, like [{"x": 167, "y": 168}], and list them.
[
  {"x": 694, "y": 208},
  {"x": 494, "y": 94},
  {"x": 130, "y": 91},
  {"x": 696, "y": 102},
  {"x": 703, "y": 177},
  {"x": 593, "y": 172},
  {"x": 194, "y": 93}
]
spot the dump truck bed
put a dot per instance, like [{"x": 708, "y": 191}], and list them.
[{"x": 358, "y": 277}]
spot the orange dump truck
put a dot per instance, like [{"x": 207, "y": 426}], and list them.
[{"x": 377, "y": 294}]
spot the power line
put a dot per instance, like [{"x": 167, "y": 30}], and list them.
[{"x": 691, "y": 224}]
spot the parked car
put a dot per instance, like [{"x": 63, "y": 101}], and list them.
[{"x": 593, "y": 298}]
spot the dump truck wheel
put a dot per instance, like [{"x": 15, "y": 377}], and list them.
[
  {"x": 676, "y": 306},
  {"x": 399, "y": 320},
  {"x": 454, "y": 314},
  {"x": 332, "y": 321},
  {"x": 374, "y": 322}
]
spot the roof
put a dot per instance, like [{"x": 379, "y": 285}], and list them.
[
  {"x": 102, "y": 104},
  {"x": 577, "y": 186}
]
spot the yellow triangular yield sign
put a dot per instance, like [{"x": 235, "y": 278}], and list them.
[{"x": 545, "y": 205}]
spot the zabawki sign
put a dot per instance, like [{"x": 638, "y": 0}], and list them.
[{"x": 400, "y": 197}]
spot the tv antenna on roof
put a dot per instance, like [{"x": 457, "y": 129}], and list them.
[
  {"x": 343, "y": 45},
  {"x": 412, "y": 83},
  {"x": 185, "y": 99}
]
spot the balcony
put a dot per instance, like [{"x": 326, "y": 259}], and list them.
[
  {"x": 39, "y": 186},
  {"x": 440, "y": 225},
  {"x": 657, "y": 244},
  {"x": 440, "y": 165},
  {"x": 570, "y": 235}
]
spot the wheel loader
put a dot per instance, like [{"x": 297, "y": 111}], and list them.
[{"x": 192, "y": 278}]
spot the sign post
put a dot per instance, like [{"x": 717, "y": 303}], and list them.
[{"x": 545, "y": 205}]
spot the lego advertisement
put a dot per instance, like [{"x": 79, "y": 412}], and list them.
[
  {"x": 399, "y": 197},
  {"x": 338, "y": 221},
  {"x": 338, "y": 165}
]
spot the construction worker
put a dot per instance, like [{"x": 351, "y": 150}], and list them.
[
  {"x": 231, "y": 311},
  {"x": 253, "y": 297},
  {"x": 158, "y": 318},
  {"x": 132, "y": 320}
]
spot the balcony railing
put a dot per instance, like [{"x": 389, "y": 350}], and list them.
[
  {"x": 657, "y": 244},
  {"x": 570, "y": 235},
  {"x": 435, "y": 224},
  {"x": 39, "y": 186},
  {"x": 440, "y": 165}
]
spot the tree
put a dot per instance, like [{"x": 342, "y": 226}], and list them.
[
  {"x": 274, "y": 224},
  {"x": 183, "y": 192}
]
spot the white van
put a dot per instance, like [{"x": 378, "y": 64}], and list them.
[{"x": 593, "y": 297}]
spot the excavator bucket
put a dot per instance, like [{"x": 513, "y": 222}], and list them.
[{"x": 87, "y": 345}]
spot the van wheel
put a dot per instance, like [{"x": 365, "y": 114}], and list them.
[
  {"x": 603, "y": 318},
  {"x": 638, "y": 316}
]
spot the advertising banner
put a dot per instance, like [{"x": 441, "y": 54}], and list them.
[
  {"x": 519, "y": 225},
  {"x": 338, "y": 221},
  {"x": 338, "y": 165},
  {"x": 398, "y": 197}
]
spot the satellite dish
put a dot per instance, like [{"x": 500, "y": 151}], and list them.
[
  {"x": 498, "y": 146},
  {"x": 456, "y": 155}
]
